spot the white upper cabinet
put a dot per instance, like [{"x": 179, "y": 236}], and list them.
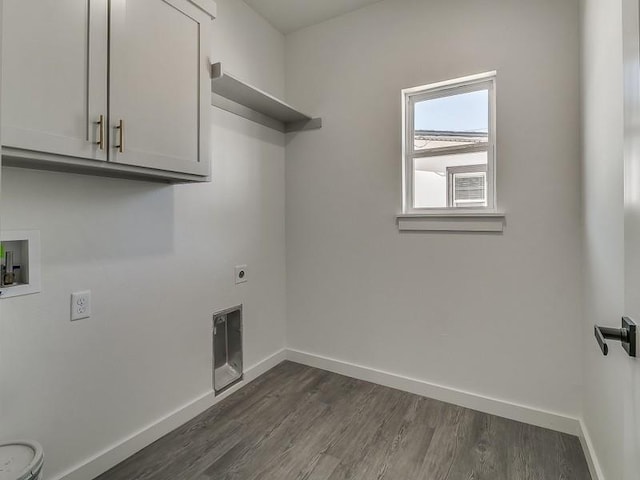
[
  {"x": 109, "y": 87},
  {"x": 54, "y": 76},
  {"x": 159, "y": 85}
]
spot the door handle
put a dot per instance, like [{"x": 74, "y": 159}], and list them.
[{"x": 625, "y": 335}]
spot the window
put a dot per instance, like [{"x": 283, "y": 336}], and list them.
[{"x": 449, "y": 146}]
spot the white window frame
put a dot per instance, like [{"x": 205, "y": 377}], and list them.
[{"x": 411, "y": 96}]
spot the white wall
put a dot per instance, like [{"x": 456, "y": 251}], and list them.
[
  {"x": 603, "y": 195},
  {"x": 495, "y": 315},
  {"x": 159, "y": 261}
]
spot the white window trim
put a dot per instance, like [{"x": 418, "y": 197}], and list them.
[
  {"x": 452, "y": 222},
  {"x": 436, "y": 90}
]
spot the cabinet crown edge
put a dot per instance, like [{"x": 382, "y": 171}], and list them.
[{"x": 207, "y": 6}]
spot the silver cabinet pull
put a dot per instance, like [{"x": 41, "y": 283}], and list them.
[
  {"x": 100, "y": 124},
  {"x": 120, "y": 128}
]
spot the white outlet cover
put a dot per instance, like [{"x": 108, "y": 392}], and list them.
[
  {"x": 241, "y": 274},
  {"x": 81, "y": 305}
]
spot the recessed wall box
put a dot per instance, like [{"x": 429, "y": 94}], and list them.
[
  {"x": 23, "y": 276},
  {"x": 227, "y": 348}
]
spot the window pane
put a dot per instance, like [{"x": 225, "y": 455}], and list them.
[
  {"x": 456, "y": 181},
  {"x": 455, "y": 120}
]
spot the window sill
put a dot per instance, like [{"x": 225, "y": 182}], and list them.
[{"x": 451, "y": 222}]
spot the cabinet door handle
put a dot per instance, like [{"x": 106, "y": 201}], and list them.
[
  {"x": 120, "y": 128},
  {"x": 100, "y": 124}
]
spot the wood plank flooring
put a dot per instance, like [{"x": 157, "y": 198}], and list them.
[{"x": 301, "y": 423}]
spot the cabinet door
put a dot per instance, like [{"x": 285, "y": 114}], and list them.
[
  {"x": 159, "y": 85},
  {"x": 54, "y": 76}
]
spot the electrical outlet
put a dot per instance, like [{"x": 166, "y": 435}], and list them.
[
  {"x": 241, "y": 274},
  {"x": 80, "y": 305}
]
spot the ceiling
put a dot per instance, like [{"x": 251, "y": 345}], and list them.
[{"x": 291, "y": 15}]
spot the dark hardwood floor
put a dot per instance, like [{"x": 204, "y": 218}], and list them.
[{"x": 302, "y": 423}]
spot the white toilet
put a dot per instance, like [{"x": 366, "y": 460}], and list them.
[{"x": 21, "y": 460}]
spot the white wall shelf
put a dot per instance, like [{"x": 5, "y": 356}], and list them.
[{"x": 240, "y": 98}]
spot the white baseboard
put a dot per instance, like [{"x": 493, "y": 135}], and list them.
[
  {"x": 111, "y": 456},
  {"x": 590, "y": 453},
  {"x": 494, "y": 406}
]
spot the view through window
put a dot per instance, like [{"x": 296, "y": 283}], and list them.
[{"x": 449, "y": 146}]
